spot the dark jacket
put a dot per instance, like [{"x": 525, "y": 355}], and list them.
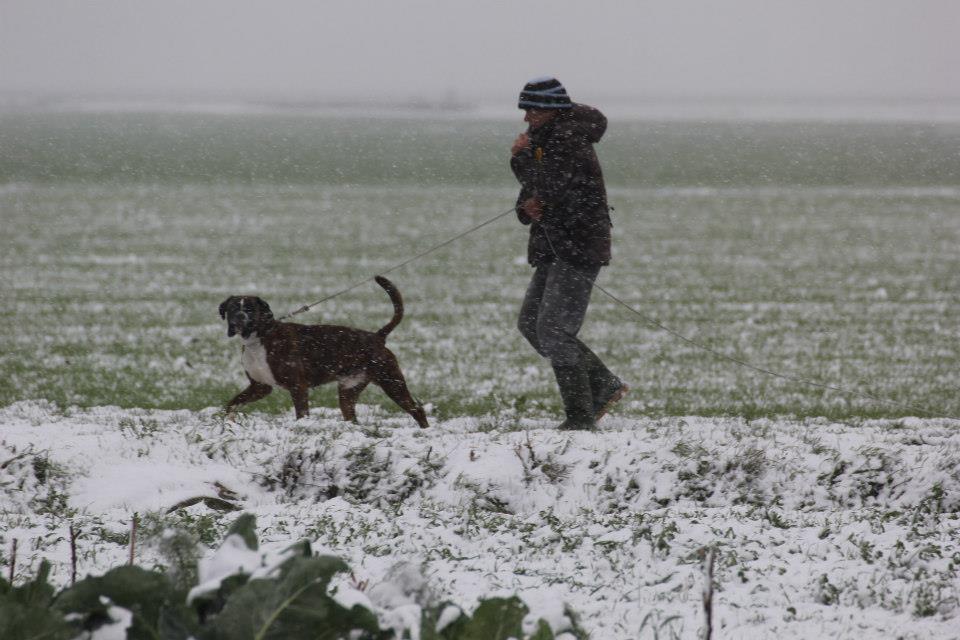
[{"x": 561, "y": 169}]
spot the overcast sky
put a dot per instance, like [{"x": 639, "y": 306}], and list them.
[{"x": 422, "y": 48}]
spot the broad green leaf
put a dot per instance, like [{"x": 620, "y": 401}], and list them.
[
  {"x": 245, "y": 610},
  {"x": 429, "y": 618},
  {"x": 293, "y": 606},
  {"x": 22, "y": 622},
  {"x": 496, "y": 619},
  {"x": 209, "y": 604},
  {"x": 141, "y": 592},
  {"x": 176, "y": 623},
  {"x": 130, "y": 587}
]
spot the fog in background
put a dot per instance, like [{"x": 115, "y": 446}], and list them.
[{"x": 466, "y": 54}]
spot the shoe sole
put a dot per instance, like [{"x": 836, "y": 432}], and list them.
[{"x": 614, "y": 399}]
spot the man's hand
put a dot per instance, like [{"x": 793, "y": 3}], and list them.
[
  {"x": 533, "y": 208},
  {"x": 522, "y": 142}
]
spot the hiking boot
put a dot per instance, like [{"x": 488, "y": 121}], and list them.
[
  {"x": 606, "y": 388},
  {"x": 603, "y": 404},
  {"x": 574, "y": 383}
]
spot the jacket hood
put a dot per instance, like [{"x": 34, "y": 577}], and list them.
[{"x": 587, "y": 121}]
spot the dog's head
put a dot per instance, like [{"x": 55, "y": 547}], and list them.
[{"x": 246, "y": 315}]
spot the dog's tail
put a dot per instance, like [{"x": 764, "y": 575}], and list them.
[{"x": 397, "y": 306}]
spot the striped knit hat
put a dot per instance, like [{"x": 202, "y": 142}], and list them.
[{"x": 544, "y": 93}]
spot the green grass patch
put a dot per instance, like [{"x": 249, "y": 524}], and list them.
[{"x": 111, "y": 280}]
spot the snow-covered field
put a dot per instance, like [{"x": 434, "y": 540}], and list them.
[
  {"x": 821, "y": 251},
  {"x": 821, "y": 529}
]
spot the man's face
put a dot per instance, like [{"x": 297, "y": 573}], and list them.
[{"x": 536, "y": 118}]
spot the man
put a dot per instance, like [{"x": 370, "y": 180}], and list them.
[{"x": 564, "y": 201}]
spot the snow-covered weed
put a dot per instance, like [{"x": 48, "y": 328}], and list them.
[{"x": 809, "y": 531}]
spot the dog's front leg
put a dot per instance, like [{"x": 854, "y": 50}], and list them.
[
  {"x": 301, "y": 403},
  {"x": 254, "y": 392}
]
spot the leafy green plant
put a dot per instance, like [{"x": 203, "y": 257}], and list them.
[
  {"x": 25, "y": 611},
  {"x": 292, "y": 600},
  {"x": 148, "y": 595}
]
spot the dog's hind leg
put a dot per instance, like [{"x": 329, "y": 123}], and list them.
[
  {"x": 389, "y": 378},
  {"x": 349, "y": 391},
  {"x": 254, "y": 392}
]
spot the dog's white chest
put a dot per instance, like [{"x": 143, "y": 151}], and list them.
[{"x": 254, "y": 361}]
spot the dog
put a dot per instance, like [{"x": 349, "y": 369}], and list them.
[{"x": 297, "y": 357}]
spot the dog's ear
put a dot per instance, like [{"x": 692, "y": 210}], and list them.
[
  {"x": 223, "y": 308},
  {"x": 264, "y": 313}
]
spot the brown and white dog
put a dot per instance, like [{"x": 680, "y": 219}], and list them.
[{"x": 298, "y": 357}]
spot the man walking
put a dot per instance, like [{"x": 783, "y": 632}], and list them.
[{"x": 564, "y": 201}]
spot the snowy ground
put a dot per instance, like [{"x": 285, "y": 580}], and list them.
[{"x": 822, "y": 529}]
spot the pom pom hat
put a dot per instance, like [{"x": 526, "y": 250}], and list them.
[{"x": 544, "y": 93}]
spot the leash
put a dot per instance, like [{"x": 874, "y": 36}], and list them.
[
  {"x": 743, "y": 363},
  {"x": 649, "y": 320},
  {"x": 400, "y": 265},
  {"x": 775, "y": 374}
]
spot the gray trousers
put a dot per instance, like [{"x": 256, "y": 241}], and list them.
[{"x": 551, "y": 316}]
